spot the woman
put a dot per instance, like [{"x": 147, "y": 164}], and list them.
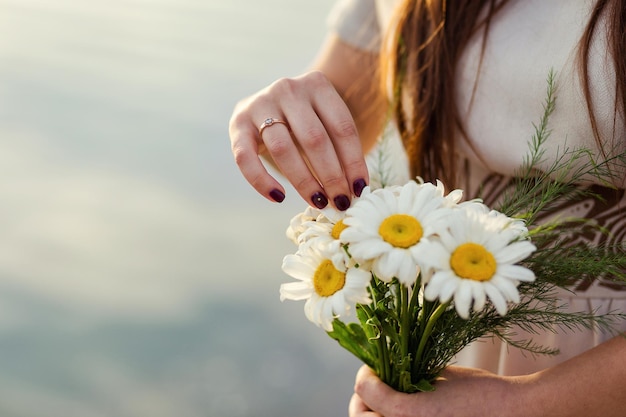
[{"x": 468, "y": 80}]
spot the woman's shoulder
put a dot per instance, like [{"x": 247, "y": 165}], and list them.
[{"x": 361, "y": 23}]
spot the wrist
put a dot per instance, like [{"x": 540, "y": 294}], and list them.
[{"x": 524, "y": 396}]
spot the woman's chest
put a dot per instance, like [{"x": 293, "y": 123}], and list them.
[{"x": 501, "y": 90}]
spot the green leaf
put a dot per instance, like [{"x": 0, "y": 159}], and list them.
[
  {"x": 424, "y": 386},
  {"x": 352, "y": 338}
]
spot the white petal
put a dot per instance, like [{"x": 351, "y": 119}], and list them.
[
  {"x": 436, "y": 282},
  {"x": 463, "y": 298},
  {"x": 514, "y": 252},
  {"x": 369, "y": 249},
  {"x": 339, "y": 260},
  {"x": 450, "y": 238},
  {"x": 384, "y": 267},
  {"x": 407, "y": 270},
  {"x": 448, "y": 289},
  {"x": 378, "y": 205},
  {"x": 454, "y": 196},
  {"x": 395, "y": 258},
  {"x": 426, "y": 200},
  {"x": 361, "y": 299},
  {"x": 354, "y": 234},
  {"x": 327, "y": 316},
  {"x": 431, "y": 254},
  {"x": 296, "y": 267},
  {"x": 357, "y": 278},
  {"x": 436, "y": 220},
  {"x": 478, "y": 292},
  {"x": 406, "y": 199},
  {"x": 295, "y": 291},
  {"x": 339, "y": 304},
  {"x": 434, "y": 207},
  {"x": 361, "y": 211},
  {"x": 516, "y": 272},
  {"x": 496, "y": 298},
  {"x": 507, "y": 288},
  {"x": 355, "y": 290},
  {"x": 332, "y": 214},
  {"x": 312, "y": 308},
  {"x": 383, "y": 203},
  {"x": 497, "y": 243}
]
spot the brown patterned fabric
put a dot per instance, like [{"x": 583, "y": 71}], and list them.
[{"x": 608, "y": 211}]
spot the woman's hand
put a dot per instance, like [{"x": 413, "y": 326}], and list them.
[
  {"x": 588, "y": 385},
  {"x": 331, "y": 115},
  {"x": 460, "y": 392},
  {"x": 318, "y": 149}
]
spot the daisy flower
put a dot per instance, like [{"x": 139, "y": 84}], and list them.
[
  {"x": 475, "y": 259},
  {"x": 387, "y": 226},
  {"x": 325, "y": 234},
  {"x": 325, "y": 228},
  {"x": 452, "y": 198},
  {"x": 299, "y": 224},
  {"x": 497, "y": 219},
  {"x": 331, "y": 289}
]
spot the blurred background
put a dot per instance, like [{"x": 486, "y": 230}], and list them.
[{"x": 139, "y": 273}]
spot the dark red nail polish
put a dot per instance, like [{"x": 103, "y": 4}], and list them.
[
  {"x": 358, "y": 186},
  {"x": 342, "y": 202},
  {"x": 319, "y": 200},
  {"x": 277, "y": 195}
]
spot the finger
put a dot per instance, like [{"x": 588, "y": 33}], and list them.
[
  {"x": 321, "y": 155},
  {"x": 245, "y": 149},
  {"x": 357, "y": 408},
  {"x": 335, "y": 133},
  {"x": 311, "y": 137},
  {"x": 342, "y": 130},
  {"x": 377, "y": 395},
  {"x": 325, "y": 131},
  {"x": 287, "y": 156}
]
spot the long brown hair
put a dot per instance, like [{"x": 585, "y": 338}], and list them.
[{"x": 427, "y": 43}]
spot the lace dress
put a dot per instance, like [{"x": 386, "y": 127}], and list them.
[{"x": 527, "y": 40}]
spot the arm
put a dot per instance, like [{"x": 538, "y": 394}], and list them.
[
  {"x": 591, "y": 384},
  {"x": 333, "y": 112},
  {"x": 354, "y": 74}
]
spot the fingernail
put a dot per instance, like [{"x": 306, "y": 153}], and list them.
[
  {"x": 319, "y": 200},
  {"x": 342, "y": 202},
  {"x": 277, "y": 195},
  {"x": 358, "y": 186}
]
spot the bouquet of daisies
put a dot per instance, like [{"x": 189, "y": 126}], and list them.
[{"x": 411, "y": 274}]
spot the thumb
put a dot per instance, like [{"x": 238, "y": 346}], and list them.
[{"x": 375, "y": 394}]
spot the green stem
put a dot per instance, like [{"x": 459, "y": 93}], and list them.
[
  {"x": 429, "y": 328},
  {"x": 405, "y": 335},
  {"x": 414, "y": 298},
  {"x": 383, "y": 370},
  {"x": 413, "y": 312},
  {"x": 405, "y": 322}
]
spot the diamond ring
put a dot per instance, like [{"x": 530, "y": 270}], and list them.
[{"x": 268, "y": 122}]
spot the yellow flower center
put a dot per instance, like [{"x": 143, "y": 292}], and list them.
[
  {"x": 401, "y": 230},
  {"x": 337, "y": 229},
  {"x": 473, "y": 261},
  {"x": 328, "y": 279}
]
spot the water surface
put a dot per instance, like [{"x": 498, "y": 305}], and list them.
[{"x": 139, "y": 273}]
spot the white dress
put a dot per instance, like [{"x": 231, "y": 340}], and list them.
[{"x": 527, "y": 40}]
